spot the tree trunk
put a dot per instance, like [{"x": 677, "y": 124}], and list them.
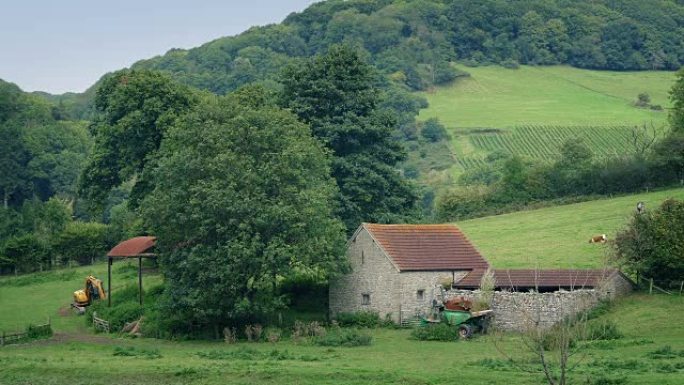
[{"x": 6, "y": 198}]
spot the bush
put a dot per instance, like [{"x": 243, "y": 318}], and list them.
[
  {"x": 436, "y": 332},
  {"x": 26, "y": 253},
  {"x": 344, "y": 337},
  {"x": 510, "y": 64},
  {"x": 82, "y": 242},
  {"x": 605, "y": 330},
  {"x": 433, "y": 130},
  {"x": 365, "y": 319},
  {"x": 37, "y": 332},
  {"x": 653, "y": 243},
  {"x": 131, "y": 351}
]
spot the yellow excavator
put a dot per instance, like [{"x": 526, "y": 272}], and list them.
[{"x": 93, "y": 291}]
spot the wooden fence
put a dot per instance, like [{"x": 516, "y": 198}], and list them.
[
  {"x": 652, "y": 286},
  {"x": 100, "y": 324},
  {"x": 13, "y": 338}
]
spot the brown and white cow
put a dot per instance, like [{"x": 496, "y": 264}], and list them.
[{"x": 598, "y": 239}]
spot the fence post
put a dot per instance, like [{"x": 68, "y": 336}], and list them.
[
  {"x": 2, "y": 339},
  {"x": 681, "y": 288},
  {"x": 650, "y": 288}
]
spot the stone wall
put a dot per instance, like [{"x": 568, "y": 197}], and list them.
[
  {"x": 412, "y": 305},
  {"x": 520, "y": 311},
  {"x": 373, "y": 275}
]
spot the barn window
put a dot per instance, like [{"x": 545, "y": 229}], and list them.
[
  {"x": 365, "y": 299},
  {"x": 363, "y": 257},
  {"x": 420, "y": 295}
]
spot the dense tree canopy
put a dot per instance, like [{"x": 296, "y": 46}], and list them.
[
  {"x": 243, "y": 197},
  {"x": 134, "y": 110},
  {"x": 41, "y": 155},
  {"x": 335, "y": 94},
  {"x": 653, "y": 243},
  {"x": 413, "y": 41}
]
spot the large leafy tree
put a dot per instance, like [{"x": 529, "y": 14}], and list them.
[
  {"x": 669, "y": 152},
  {"x": 336, "y": 95},
  {"x": 653, "y": 243},
  {"x": 243, "y": 197},
  {"x": 134, "y": 110}
]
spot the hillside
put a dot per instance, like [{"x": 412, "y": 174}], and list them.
[
  {"x": 531, "y": 111},
  {"x": 557, "y": 236},
  {"x": 413, "y": 41}
]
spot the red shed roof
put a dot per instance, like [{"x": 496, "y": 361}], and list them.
[
  {"x": 530, "y": 278},
  {"x": 426, "y": 247},
  {"x": 132, "y": 247}
]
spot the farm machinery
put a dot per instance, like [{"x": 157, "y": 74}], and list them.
[
  {"x": 93, "y": 291},
  {"x": 457, "y": 312}
]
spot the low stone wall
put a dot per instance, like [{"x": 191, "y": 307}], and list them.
[{"x": 519, "y": 311}]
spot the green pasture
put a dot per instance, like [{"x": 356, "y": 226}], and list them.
[
  {"x": 496, "y": 97},
  {"x": 33, "y": 298},
  {"x": 649, "y": 323},
  {"x": 557, "y": 237},
  {"x": 531, "y": 111}
]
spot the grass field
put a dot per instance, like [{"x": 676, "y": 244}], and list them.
[
  {"x": 548, "y": 237},
  {"x": 532, "y": 110},
  {"x": 648, "y": 322},
  {"x": 557, "y": 236}
]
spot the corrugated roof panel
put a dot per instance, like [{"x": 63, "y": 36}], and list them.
[{"x": 132, "y": 247}]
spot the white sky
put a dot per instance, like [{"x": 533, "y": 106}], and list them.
[{"x": 60, "y": 46}]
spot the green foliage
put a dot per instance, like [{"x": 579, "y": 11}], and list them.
[
  {"x": 26, "y": 253},
  {"x": 38, "y": 332},
  {"x": 135, "y": 108},
  {"x": 365, "y": 319},
  {"x": 243, "y": 196},
  {"x": 433, "y": 130},
  {"x": 82, "y": 242},
  {"x": 603, "y": 330},
  {"x": 343, "y": 337},
  {"x": 131, "y": 351},
  {"x": 435, "y": 332},
  {"x": 653, "y": 243},
  {"x": 677, "y": 97},
  {"x": 336, "y": 95},
  {"x": 413, "y": 42},
  {"x": 665, "y": 352}
]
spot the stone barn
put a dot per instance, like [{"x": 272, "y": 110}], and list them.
[{"x": 396, "y": 268}]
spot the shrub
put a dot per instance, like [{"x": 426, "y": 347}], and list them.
[
  {"x": 437, "y": 332},
  {"x": 38, "y": 332},
  {"x": 652, "y": 243},
  {"x": 82, "y": 242},
  {"x": 344, "y": 337},
  {"x": 229, "y": 335},
  {"x": 131, "y": 351},
  {"x": 273, "y": 335},
  {"x": 510, "y": 64},
  {"x": 433, "y": 130},
  {"x": 364, "y": 319},
  {"x": 605, "y": 330}
]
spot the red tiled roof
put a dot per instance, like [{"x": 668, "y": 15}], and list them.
[
  {"x": 132, "y": 247},
  {"x": 427, "y": 247},
  {"x": 516, "y": 278}
]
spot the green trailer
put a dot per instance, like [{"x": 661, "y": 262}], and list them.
[{"x": 467, "y": 322}]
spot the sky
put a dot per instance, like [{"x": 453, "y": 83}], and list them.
[{"x": 60, "y": 46}]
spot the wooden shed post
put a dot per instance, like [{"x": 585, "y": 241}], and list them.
[
  {"x": 140, "y": 279},
  {"x": 109, "y": 282}
]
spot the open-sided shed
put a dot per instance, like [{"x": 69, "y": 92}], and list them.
[{"x": 137, "y": 247}]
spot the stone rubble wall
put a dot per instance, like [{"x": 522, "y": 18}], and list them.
[
  {"x": 520, "y": 311},
  {"x": 372, "y": 274},
  {"x": 430, "y": 282}
]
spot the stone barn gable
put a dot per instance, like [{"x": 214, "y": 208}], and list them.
[{"x": 395, "y": 269}]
